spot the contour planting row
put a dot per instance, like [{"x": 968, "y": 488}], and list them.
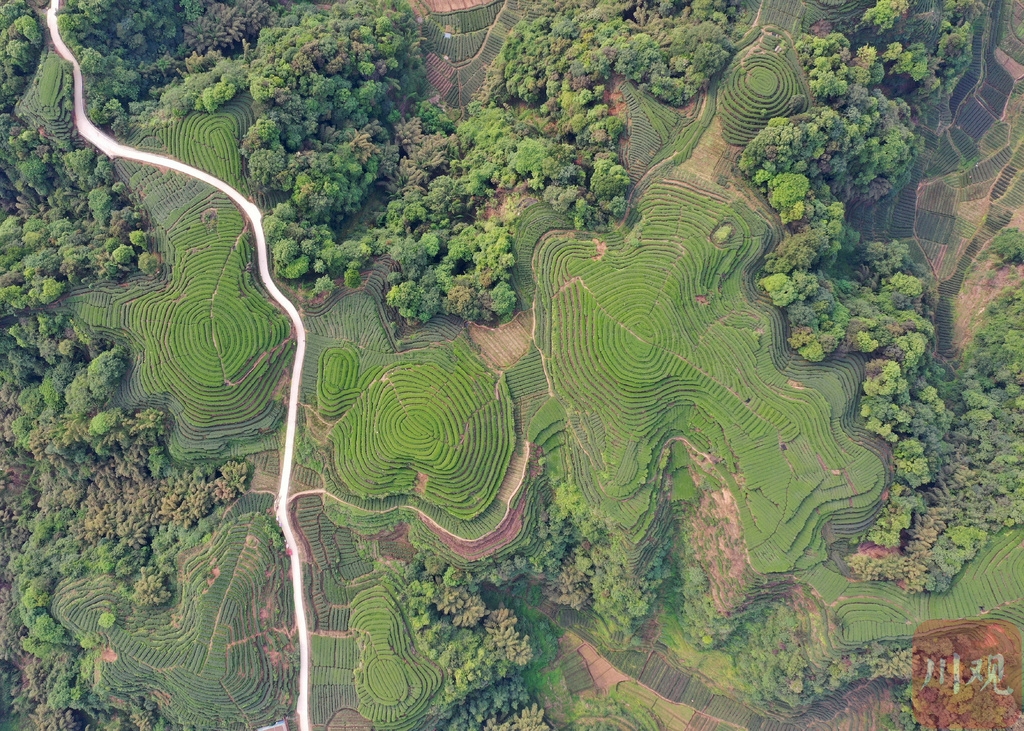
[
  {"x": 47, "y": 101},
  {"x": 782, "y": 13},
  {"x": 332, "y": 548},
  {"x": 338, "y": 382},
  {"x": 763, "y": 85},
  {"x": 206, "y": 661},
  {"x": 533, "y": 223},
  {"x": 336, "y": 575},
  {"x": 207, "y": 337},
  {"x": 210, "y": 142},
  {"x": 440, "y": 429},
  {"x": 836, "y": 12},
  {"x": 636, "y": 335},
  {"x": 394, "y": 685},
  {"x": 650, "y": 127}
]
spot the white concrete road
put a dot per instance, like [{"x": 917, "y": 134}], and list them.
[{"x": 112, "y": 148}]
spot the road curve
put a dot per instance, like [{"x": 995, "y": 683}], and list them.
[{"x": 112, "y": 148}]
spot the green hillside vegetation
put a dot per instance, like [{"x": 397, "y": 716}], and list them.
[{"x": 638, "y": 392}]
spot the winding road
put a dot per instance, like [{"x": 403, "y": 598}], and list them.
[
  {"x": 113, "y": 149},
  {"x": 510, "y": 524}
]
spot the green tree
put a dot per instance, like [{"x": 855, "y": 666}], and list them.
[
  {"x": 788, "y": 195},
  {"x": 1008, "y": 245}
]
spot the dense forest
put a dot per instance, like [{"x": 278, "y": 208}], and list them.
[{"x": 364, "y": 171}]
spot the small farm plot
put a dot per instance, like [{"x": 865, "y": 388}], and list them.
[
  {"x": 220, "y": 657},
  {"x": 655, "y": 339},
  {"x": 441, "y": 428},
  {"x": 206, "y": 342},
  {"x": 47, "y": 101},
  {"x": 394, "y": 685}
]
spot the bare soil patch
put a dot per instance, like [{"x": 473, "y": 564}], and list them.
[
  {"x": 719, "y": 546},
  {"x": 984, "y": 283},
  {"x": 504, "y": 345},
  {"x": 605, "y": 675},
  {"x": 875, "y": 551},
  {"x": 421, "y": 483},
  {"x": 602, "y": 248},
  {"x": 1013, "y": 68},
  {"x": 108, "y": 655},
  {"x": 501, "y": 536},
  {"x": 614, "y": 99},
  {"x": 394, "y": 544}
]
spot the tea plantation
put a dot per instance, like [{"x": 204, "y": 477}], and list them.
[
  {"x": 207, "y": 344},
  {"x": 221, "y": 656},
  {"x": 638, "y": 359},
  {"x": 556, "y": 459},
  {"x": 443, "y": 429},
  {"x": 47, "y": 102},
  {"x": 394, "y": 686}
]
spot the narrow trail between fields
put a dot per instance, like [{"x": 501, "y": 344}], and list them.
[{"x": 112, "y": 148}]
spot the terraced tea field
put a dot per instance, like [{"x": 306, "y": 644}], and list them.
[
  {"x": 335, "y": 574},
  {"x": 765, "y": 82},
  {"x": 644, "y": 356},
  {"x": 991, "y": 585},
  {"x": 221, "y": 656},
  {"x": 443, "y": 430},
  {"x": 205, "y": 341},
  {"x": 655, "y": 340},
  {"x": 210, "y": 142},
  {"x": 461, "y": 44},
  {"x": 967, "y": 184},
  {"x": 394, "y": 685},
  {"x": 47, "y": 101}
]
